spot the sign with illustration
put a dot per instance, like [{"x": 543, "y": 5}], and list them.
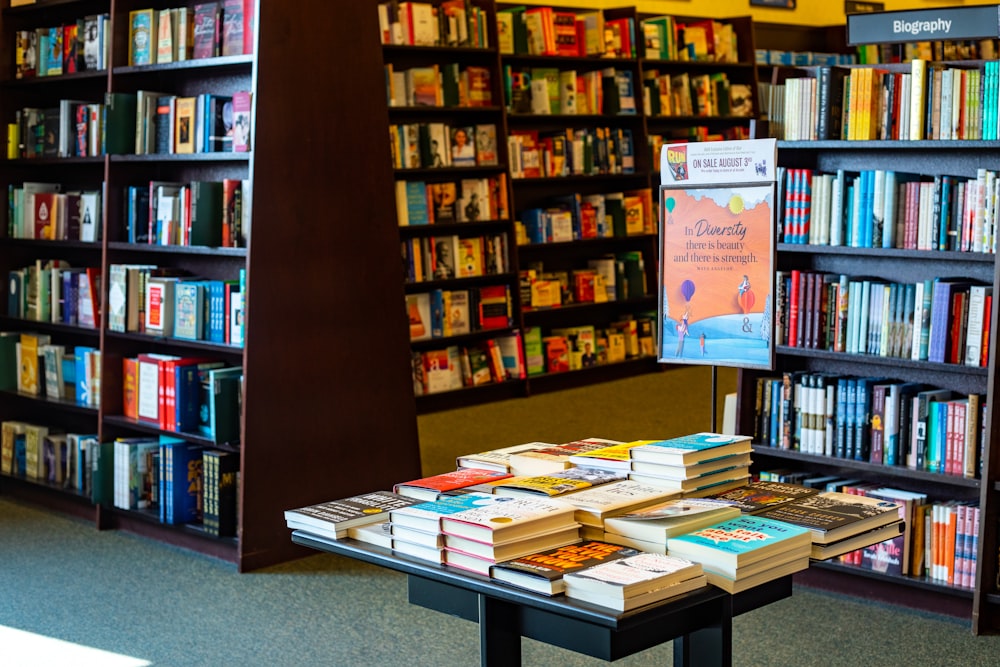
[{"x": 716, "y": 280}]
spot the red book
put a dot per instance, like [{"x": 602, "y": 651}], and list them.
[
  {"x": 206, "y": 30},
  {"x": 793, "y": 309},
  {"x": 431, "y": 488},
  {"x": 985, "y": 347},
  {"x": 45, "y": 215}
]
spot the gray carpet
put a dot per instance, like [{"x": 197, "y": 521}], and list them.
[{"x": 114, "y": 599}]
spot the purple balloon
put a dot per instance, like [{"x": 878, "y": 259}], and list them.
[{"x": 687, "y": 289}]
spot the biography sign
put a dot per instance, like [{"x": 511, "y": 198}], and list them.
[{"x": 716, "y": 278}]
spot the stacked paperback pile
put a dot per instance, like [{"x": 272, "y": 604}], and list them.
[
  {"x": 634, "y": 581},
  {"x": 543, "y": 572},
  {"x": 697, "y": 465},
  {"x": 454, "y": 482},
  {"x": 474, "y": 531},
  {"x": 745, "y": 551},
  {"x": 649, "y": 528},
  {"x": 337, "y": 519}
]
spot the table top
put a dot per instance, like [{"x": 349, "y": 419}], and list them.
[{"x": 742, "y": 602}]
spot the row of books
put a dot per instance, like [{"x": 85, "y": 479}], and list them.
[
  {"x": 198, "y": 213},
  {"x": 427, "y": 145},
  {"x": 44, "y": 211},
  {"x": 32, "y": 365},
  {"x": 442, "y": 313},
  {"x": 452, "y": 256},
  {"x": 879, "y": 208},
  {"x": 183, "y": 394},
  {"x": 53, "y": 291},
  {"x": 491, "y": 361},
  {"x": 205, "y": 30},
  {"x": 439, "y": 85},
  {"x": 80, "y": 46},
  {"x": 176, "y": 481},
  {"x": 802, "y": 58},
  {"x": 576, "y": 217},
  {"x": 544, "y": 91},
  {"x": 978, "y": 49},
  {"x": 144, "y": 123},
  {"x": 575, "y": 151},
  {"x": 521, "y": 504},
  {"x": 144, "y": 298},
  {"x": 687, "y": 94},
  {"x": 705, "y": 40},
  {"x": 446, "y": 23},
  {"x": 38, "y": 453},
  {"x": 878, "y": 420},
  {"x": 943, "y": 321},
  {"x": 693, "y": 133},
  {"x": 606, "y": 278},
  {"x": 931, "y": 101},
  {"x": 563, "y": 349},
  {"x": 444, "y": 202},
  {"x": 556, "y": 31}
]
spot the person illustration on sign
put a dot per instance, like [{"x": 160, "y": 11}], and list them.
[
  {"x": 744, "y": 285},
  {"x": 682, "y": 332}
]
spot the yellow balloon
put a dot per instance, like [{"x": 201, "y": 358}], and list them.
[{"x": 736, "y": 204}]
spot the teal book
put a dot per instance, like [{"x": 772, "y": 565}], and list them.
[
  {"x": 206, "y": 213},
  {"x": 691, "y": 449},
  {"x": 224, "y": 400},
  {"x": 724, "y": 547},
  {"x": 189, "y": 310}
]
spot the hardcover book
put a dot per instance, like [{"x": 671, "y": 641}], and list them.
[
  {"x": 431, "y": 488},
  {"x": 206, "y": 30},
  {"x": 141, "y": 30},
  {"x": 333, "y": 518},
  {"x": 241, "y": 121},
  {"x": 759, "y": 496},
  {"x": 543, "y": 572},
  {"x": 656, "y": 523}
]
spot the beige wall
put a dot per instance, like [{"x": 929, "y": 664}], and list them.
[{"x": 809, "y": 12}]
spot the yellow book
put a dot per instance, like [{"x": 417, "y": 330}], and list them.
[{"x": 184, "y": 116}]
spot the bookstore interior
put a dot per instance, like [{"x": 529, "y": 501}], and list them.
[{"x": 564, "y": 196}]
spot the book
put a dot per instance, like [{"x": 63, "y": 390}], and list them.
[
  {"x": 431, "y": 488},
  {"x": 497, "y": 459},
  {"x": 759, "y": 496},
  {"x": 490, "y": 519},
  {"x": 241, "y": 121},
  {"x": 634, "y": 581},
  {"x": 556, "y": 483},
  {"x": 833, "y": 515},
  {"x": 595, "y": 505},
  {"x": 142, "y": 27},
  {"x": 206, "y": 30},
  {"x": 478, "y": 556},
  {"x": 551, "y": 459},
  {"x": 543, "y": 572},
  {"x": 334, "y": 517},
  {"x": 725, "y": 547},
  {"x": 691, "y": 449},
  {"x": 220, "y": 472},
  {"x": 656, "y": 523},
  {"x": 868, "y": 538}
]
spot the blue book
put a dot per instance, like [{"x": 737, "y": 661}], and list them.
[
  {"x": 867, "y": 227},
  {"x": 724, "y": 547},
  {"x": 775, "y": 437},
  {"x": 840, "y": 420},
  {"x": 83, "y": 388},
  {"x": 188, "y": 379},
  {"x": 437, "y": 313},
  {"x": 691, "y": 449},
  {"x": 944, "y": 213},
  {"x": 862, "y": 417},
  {"x": 850, "y": 417},
  {"x": 416, "y": 203},
  {"x": 216, "y": 304},
  {"x": 182, "y": 480}
]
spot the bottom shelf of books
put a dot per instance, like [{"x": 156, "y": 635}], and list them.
[{"x": 615, "y": 524}]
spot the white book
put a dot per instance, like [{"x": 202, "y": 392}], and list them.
[
  {"x": 890, "y": 207},
  {"x": 974, "y": 332},
  {"x": 878, "y": 206},
  {"x": 837, "y": 190},
  {"x": 918, "y": 83},
  {"x": 944, "y": 119},
  {"x": 904, "y": 109}
]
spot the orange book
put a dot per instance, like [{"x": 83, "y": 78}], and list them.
[
  {"x": 950, "y": 530},
  {"x": 130, "y": 397}
]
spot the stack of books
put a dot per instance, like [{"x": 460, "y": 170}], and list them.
[
  {"x": 543, "y": 572},
  {"x": 559, "y": 483},
  {"x": 634, "y": 581},
  {"x": 762, "y": 495},
  {"x": 840, "y": 522},
  {"x": 745, "y": 551},
  {"x": 337, "y": 519},
  {"x": 463, "y": 480},
  {"x": 493, "y": 529},
  {"x": 594, "y": 506},
  {"x": 555, "y": 458},
  {"x": 649, "y": 528},
  {"x": 697, "y": 465},
  {"x": 498, "y": 459}
]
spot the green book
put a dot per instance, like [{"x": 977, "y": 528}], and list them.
[
  {"x": 119, "y": 123},
  {"x": 8, "y": 360},
  {"x": 206, "y": 213}
]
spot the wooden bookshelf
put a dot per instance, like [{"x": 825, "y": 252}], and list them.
[{"x": 316, "y": 385}]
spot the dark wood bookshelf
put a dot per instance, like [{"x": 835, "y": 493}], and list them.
[{"x": 291, "y": 277}]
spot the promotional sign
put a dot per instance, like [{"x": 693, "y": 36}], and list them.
[{"x": 716, "y": 279}]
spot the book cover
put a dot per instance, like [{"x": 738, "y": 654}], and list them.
[
  {"x": 463, "y": 147},
  {"x": 655, "y": 523},
  {"x": 189, "y": 310},
  {"x": 833, "y": 515},
  {"x": 595, "y": 504},
  {"x": 486, "y": 144},
  {"x": 431, "y": 488},
  {"x": 726, "y": 546},
  {"x": 141, "y": 29},
  {"x": 220, "y": 472},
  {"x": 241, "y": 121},
  {"x": 497, "y": 459},
  {"x": 690, "y": 449},
  {"x": 543, "y": 572},
  {"x": 556, "y": 457},
  {"x": 557, "y": 483},
  {"x": 332, "y": 518},
  {"x": 490, "y": 519},
  {"x": 232, "y": 27},
  {"x": 762, "y": 495}
]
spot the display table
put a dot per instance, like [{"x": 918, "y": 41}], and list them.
[{"x": 700, "y": 622}]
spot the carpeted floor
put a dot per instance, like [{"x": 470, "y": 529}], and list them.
[{"x": 71, "y": 596}]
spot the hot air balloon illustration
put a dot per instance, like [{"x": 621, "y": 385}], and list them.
[
  {"x": 669, "y": 204},
  {"x": 687, "y": 289},
  {"x": 745, "y": 297}
]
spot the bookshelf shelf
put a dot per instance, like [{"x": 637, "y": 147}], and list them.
[
  {"x": 910, "y": 582},
  {"x": 291, "y": 262},
  {"x": 611, "y": 242},
  {"x": 48, "y": 327},
  {"x": 899, "y": 253},
  {"x": 64, "y": 405}
]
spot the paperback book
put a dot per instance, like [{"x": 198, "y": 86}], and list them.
[
  {"x": 334, "y": 518},
  {"x": 833, "y": 515},
  {"x": 691, "y": 449},
  {"x": 542, "y": 572}
]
